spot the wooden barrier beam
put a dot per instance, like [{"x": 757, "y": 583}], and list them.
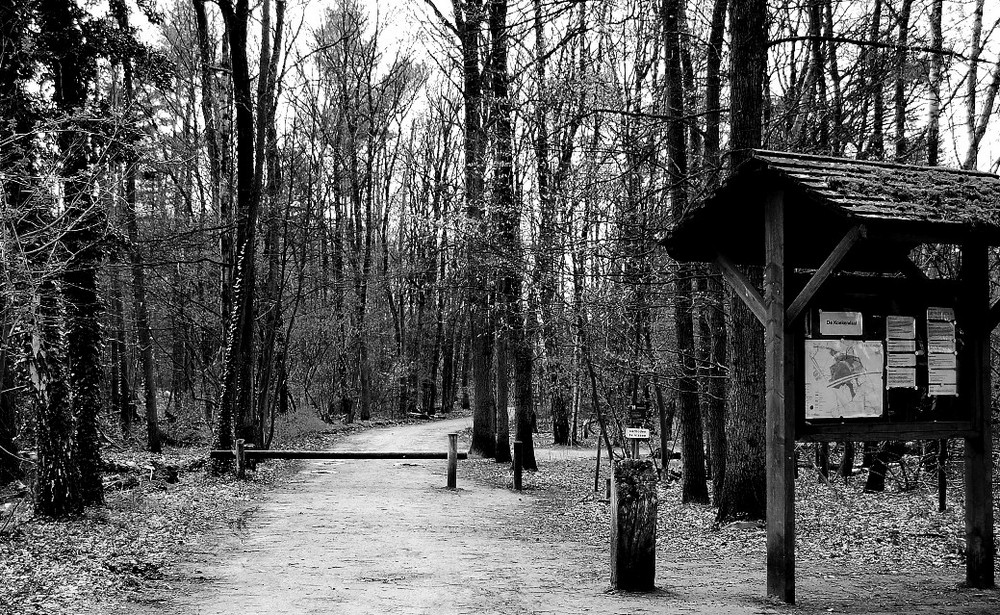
[{"x": 297, "y": 454}]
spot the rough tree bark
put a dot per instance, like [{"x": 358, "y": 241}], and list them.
[
  {"x": 236, "y": 400},
  {"x": 744, "y": 485},
  {"x": 694, "y": 487}
]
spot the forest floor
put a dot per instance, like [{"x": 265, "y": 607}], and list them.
[{"x": 357, "y": 537}]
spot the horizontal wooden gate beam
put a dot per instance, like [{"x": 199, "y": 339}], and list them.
[{"x": 297, "y": 454}]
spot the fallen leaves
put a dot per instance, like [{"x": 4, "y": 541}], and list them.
[
  {"x": 894, "y": 532},
  {"x": 109, "y": 554}
]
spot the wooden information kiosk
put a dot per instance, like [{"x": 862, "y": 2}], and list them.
[{"x": 860, "y": 343}]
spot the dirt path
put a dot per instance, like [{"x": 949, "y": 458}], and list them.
[{"x": 360, "y": 537}]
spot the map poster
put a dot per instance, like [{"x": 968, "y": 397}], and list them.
[{"x": 843, "y": 378}]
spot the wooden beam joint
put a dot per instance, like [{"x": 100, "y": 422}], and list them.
[
  {"x": 825, "y": 271},
  {"x": 743, "y": 287}
]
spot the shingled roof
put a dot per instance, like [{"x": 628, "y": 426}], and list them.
[{"x": 826, "y": 195}]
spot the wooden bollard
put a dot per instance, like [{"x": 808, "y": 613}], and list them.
[
  {"x": 518, "y": 463},
  {"x": 633, "y": 525},
  {"x": 241, "y": 460},
  {"x": 597, "y": 470},
  {"x": 452, "y": 460}
]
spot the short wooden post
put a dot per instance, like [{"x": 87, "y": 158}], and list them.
[
  {"x": 241, "y": 460},
  {"x": 633, "y": 525},
  {"x": 597, "y": 470},
  {"x": 518, "y": 461},
  {"x": 942, "y": 475},
  {"x": 452, "y": 460}
]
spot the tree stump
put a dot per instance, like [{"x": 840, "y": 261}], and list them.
[{"x": 633, "y": 525}]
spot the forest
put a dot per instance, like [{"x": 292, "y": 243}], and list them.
[{"x": 218, "y": 215}]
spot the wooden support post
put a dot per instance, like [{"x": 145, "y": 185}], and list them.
[
  {"x": 780, "y": 412},
  {"x": 241, "y": 460},
  {"x": 518, "y": 461},
  {"x": 974, "y": 383},
  {"x": 452, "y": 460}
]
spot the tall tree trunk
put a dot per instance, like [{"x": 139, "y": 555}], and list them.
[
  {"x": 976, "y": 125},
  {"x": 694, "y": 487},
  {"x": 745, "y": 482},
  {"x": 837, "y": 131},
  {"x": 899, "y": 98},
  {"x": 547, "y": 270},
  {"x": 58, "y": 478},
  {"x": 469, "y": 16},
  {"x": 82, "y": 240},
  {"x": 934, "y": 82},
  {"x": 712, "y": 312},
  {"x": 17, "y": 160},
  {"x": 121, "y": 385},
  {"x": 140, "y": 306},
  {"x": 876, "y": 147},
  {"x": 236, "y": 405}
]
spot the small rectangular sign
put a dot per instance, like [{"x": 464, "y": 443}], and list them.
[
  {"x": 840, "y": 323},
  {"x": 900, "y": 327},
  {"x": 901, "y": 378},
  {"x": 901, "y": 346},
  {"x": 636, "y": 433},
  {"x": 942, "y": 389},
  {"x": 941, "y": 337},
  {"x": 942, "y": 361},
  {"x": 941, "y": 313},
  {"x": 901, "y": 360},
  {"x": 942, "y": 376}
]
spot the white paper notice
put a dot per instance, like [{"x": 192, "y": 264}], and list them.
[
  {"x": 942, "y": 376},
  {"x": 942, "y": 361},
  {"x": 901, "y": 346},
  {"x": 941, "y": 313},
  {"x": 942, "y": 389},
  {"x": 900, "y": 327},
  {"x": 901, "y": 360},
  {"x": 941, "y": 337},
  {"x": 901, "y": 378}
]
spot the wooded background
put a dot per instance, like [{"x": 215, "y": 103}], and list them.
[{"x": 218, "y": 214}]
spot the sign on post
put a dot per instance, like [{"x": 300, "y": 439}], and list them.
[{"x": 636, "y": 433}]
